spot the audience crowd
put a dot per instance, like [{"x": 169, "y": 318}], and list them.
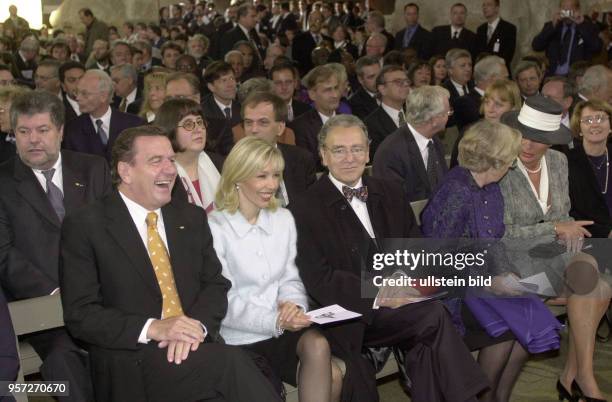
[{"x": 193, "y": 187}]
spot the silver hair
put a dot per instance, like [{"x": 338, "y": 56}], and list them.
[
  {"x": 127, "y": 71},
  {"x": 105, "y": 83},
  {"x": 256, "y": 84},
  {"x": 488, "y": 67},
  {"x": 341, "y": 120},
  {"x": 231, "y": 53},
  {"x": 455, "y": 54},
  {"x": 424, "y": 103},
  {"x": 594, "y": 78}
]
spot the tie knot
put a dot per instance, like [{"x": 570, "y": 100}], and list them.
[
  {"x": 48, "y": 174},
  {"x": 430, "y": 145},
  {"x": 151, "y": 219},
  {"x": 361, "y": 193},
  {"x": 99, "y": 123}
]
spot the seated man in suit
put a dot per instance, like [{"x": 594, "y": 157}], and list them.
[
  {"x": 342, "y": 220},
  {"x": 413, "y": 154},
  {"x": 363, "y": 101},
  {"x": 25, "y": 59},
  {"x": 305, "y": 42},
  {"x": 324, "y": 90},
  {"x": 569, "y": 37},
  {"x": 46, "y": 77},
  {"x": 459, "y": 81},
  {"x": 393, "y": 86},
  {"x": 528, "y": 77},
  {"x": 70, "y": 74},
  {"x": 455, "y": 35},
  {"x": 142, "y": 286},
  {"x": 39, "y": 187},
  {"x": 128, "y": 97},
  {"x": 264, "y": 116},
  {"x": 496, "y": 36},
  {"x": 285, "y": 78},
  {"x": 414, "y": 36},
  {"x": 244, "y": 30},
  {"x": 96, "y": 129},
  {"x": 120, "y": 53}
]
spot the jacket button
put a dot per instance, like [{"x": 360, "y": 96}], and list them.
[{"x": 343, "y": 207}]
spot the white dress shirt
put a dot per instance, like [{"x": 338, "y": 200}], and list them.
[
  {"x": 360, "y": 207},
  {"x": 57, "y": 179},
  {"x": 491, "y": 26},
  {"x": 422, "y": 143},
  {"x": 455, "y": 29},
  {"x": 324, "y": 118},
  {"x": 392, "y": 112},
  {"x": 75, "y": 105},
  {"x": 459, "y": 87},
  {"x": 223, "y": 107},
  {"x": 259, "y": 260},
  {"x": 106, "y": 118},
  {"x": 131, "y": 97}
]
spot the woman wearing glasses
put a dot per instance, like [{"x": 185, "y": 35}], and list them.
[{"x": 198, "y": 170}]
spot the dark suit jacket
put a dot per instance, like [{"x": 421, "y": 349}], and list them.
[
  {"x": 399, "y": 158},
  {"x": 420, "y": 41},
  {"x": 299, "y": 172},
  {"x": 586, "y": 43},
  {"x": 588, "y": 203},
  {"x": 301, "y": 48},
  {"x": 70, "y": 112},
  {"x": 109, "y": 289},
  {"x": 504, "y": 34},
  {"x": 80, "y": 134},
  {"x": 379, "y": 125},
  {"x": 299, "y": 108},
  {"x": 442, "y": 41},
  {"x": 219, "y": 132},
  {"x": 467, "y": 109},
  {"x": 7, "y": 149},
  {"x": 289, "y": 22},
  {"x": 30, "y": 228},
  {"x": 234, "y": 35},
  {"x": 9, "y": 359},
  {"x": 306, "y": 129},
  {"x": 454, "y": 97},
  {"x": 362, "y": 104},
  {"x": 25, "y": 66},
  {"x": 134, "y": 107}
]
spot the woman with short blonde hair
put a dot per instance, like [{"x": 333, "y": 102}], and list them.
[
  {"x": 500, "y": 97},
  {"x": 153, "y": 94}
]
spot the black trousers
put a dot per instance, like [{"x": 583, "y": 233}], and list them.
[
  {"x": 63, "y": 360},
  {"x": 213, "y": 372},
  {"x": 438, "y": 362}
]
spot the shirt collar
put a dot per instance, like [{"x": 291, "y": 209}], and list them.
[
  {"x": 222, "y": 106},
  {"x": 420, "y": 139},
  {"x": 494, "y": 23},
  {"x": 392, "y": 112},
  {"x": 106, "y": 117},
  {"x": 324, "y": 118},
  {"x": 137, "y": 211},
  {"x": 57, "y": 166},
  {"x": 338, "y": 184},
  {"x": 246, "y": 31},
  {"x": 456, "y": 29},
  {"x": 242, "y": 227},
  {"x": 131, "y": 96},
  {"x": 458, "y": 86}
]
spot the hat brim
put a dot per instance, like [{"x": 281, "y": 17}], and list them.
[{"x": 559, "y": 137}]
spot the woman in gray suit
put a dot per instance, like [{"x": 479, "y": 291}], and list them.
[{"x": 536, "y": 213}]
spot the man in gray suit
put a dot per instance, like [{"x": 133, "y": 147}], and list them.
[{"x": 95, "y": 29}]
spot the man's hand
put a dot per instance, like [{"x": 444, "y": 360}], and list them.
[
  {"x": 178, "y": 329},
  {"x": 178, "y": 351},
  {"x": 291, "y": 317}
]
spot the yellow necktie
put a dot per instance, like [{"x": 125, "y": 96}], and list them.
[
  {"x": 171, "y": 304},
  {"x": 123, "y": 105}
]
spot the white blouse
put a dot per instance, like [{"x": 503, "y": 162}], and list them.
[{"x": 259, "y": 260}]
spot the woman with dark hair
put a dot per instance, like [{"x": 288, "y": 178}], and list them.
[
  {"x": 251, "y": 61},
  {"x": 184, "y": 123},
  {"x": 438, "y": 66},
  {"x": 342, "y": 40},
  {"x": 420, "y": 73},
  {"x": 164, "y": 14}
]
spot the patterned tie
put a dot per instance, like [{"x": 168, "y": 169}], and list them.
[
  {"x": 228, "y": 113},
  {"x": 401, "y": 118},
  {"x": 101, "y": 132},
  {"x": 171, "y": 304},
  {"x": 54, "y": 194},
  {"x": 489, "y": 32},
  {"x": 360, "y": 193},
  {"x": 434, "y": 169}
]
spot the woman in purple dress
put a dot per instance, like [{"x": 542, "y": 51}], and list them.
[{"x": 469, "y": 204}]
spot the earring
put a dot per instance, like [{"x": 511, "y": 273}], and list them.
[{"x": 237, "y": 187}]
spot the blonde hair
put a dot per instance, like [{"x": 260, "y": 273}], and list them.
[
  {"x": 596, "y": 105},
  {"x": 150, "y": 80},
  {"x": 248, "y": 157},
  {"x": 488, "y": 144},
  {"x": 505, "y": 90}
]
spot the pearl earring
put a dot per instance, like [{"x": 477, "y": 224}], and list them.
[{"x": 237, "y": 186}]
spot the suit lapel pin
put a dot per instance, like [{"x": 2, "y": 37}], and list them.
[
  {"x": 77, "y": 184},
  {"x": 181, "y": 227}
]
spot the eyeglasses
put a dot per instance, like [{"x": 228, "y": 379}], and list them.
[
  {"x": 7, "y": 82},
  {"x": 600, "y": 118},
  {"x": 399, "y": 82},
  {"x": 190, "y": 125},
  {"x": 342, "y": 152}
]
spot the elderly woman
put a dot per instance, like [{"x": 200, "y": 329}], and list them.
[
  {"x": 499, "y": 97},
  {"x": 469, "y": 204},
  {"x": 536, "y": 213},
  {"x": 154, "y": 94},
  {"x": 184, "y": 123},
  {"x": 420, "y": 73},
  {"x": 255, "y": 241},
  {"x": 589, "y": 166},
  {"x": 7, "y": 138}
]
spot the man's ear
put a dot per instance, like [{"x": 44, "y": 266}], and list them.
[
  {"x": 283, "y": 125},
  {"x": 123, "y": 169}
]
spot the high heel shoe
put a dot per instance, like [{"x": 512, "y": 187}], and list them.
[
  {"x": 581, "y": 396},
  {"x": 564, "y": 393}
]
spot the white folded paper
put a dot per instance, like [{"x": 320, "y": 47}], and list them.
[
  {"x": 333, "y": 313},
  {"x": 538, "y": 284}
]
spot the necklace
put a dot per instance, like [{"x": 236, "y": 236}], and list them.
[
  {"x": 534, "y": 171},
  {"x": 607, "y": 163}
]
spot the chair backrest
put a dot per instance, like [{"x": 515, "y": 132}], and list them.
[
  {"x": 37, "y": 314},
  {"x": 417, "y": 208}
]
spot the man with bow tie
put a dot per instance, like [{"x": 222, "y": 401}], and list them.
[{"x": 342, "y": 220}]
